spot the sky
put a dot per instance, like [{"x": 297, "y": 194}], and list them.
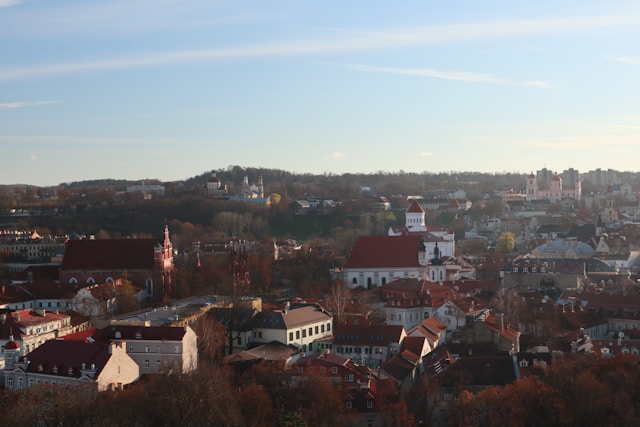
[{"x": 170, "y": 89}]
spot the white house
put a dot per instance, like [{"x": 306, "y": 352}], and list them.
[
  {"x": 32, "y": 328},
  {"x": 299, "y": 324}
]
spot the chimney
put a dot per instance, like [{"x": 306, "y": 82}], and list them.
[{"x": 500, "y": 321}]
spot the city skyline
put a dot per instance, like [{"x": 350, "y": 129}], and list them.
[{"x": 169, "y": 89}]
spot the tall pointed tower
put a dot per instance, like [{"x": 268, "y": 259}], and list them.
[
  {"x": 532, "y": 187},
  {"x": 414, "y": 216},
  {"x": 260, "y": 187}
]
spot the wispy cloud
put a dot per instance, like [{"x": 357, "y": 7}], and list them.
[
  {"x": 425, "y": 72},
  {"x": 632, "y": 60},
  {"x": 8, "y": 3},
  {"x": 14, "y": 105},
  {"x": 425, "y": 154},
  {"x": 540, "y": 84},
  {"x": 339, "y": 41},
  {"x": 336, "y": 155}
]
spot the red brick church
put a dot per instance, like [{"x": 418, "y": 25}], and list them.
[{"x": 145, "y": 262}]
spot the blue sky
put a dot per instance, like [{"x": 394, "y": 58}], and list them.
[{"x": 169, "y": 89}]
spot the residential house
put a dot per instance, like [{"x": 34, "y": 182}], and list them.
[
  {"x": 156, "y": 349},
  {"x": 298, "y": 324},
  {"x": 432, "y": 329},
  {"x": 91, "y": 366},
  {"x": 487, "y": 327},
  {"x": 361, "y": 405},
  {"x": 368, "y": 344},
  {"x": 411, "y": 300},
  {"x": 407, "y": 366},
  {"x": 100, "y": 301},
  {"x": 238, "y": 322},
  {"x": 453, "y": 313},
  {"x": 32, "y": 328}
]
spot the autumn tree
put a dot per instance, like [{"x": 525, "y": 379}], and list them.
[
  {"x": 506, "y": 242},
  {"x": 474, "y": 246},
  {"x": 126, "y": 298}
]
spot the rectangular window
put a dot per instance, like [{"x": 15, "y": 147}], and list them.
[
  {"x": 316, "y": 330},
  {"x": 304, "y": 333},
  {"x": 176, "y": 349},
  {"x": 290, "y": 336},
  {"x": 146, "y": 364},
  {"x": 130, "y": 349},
  {"x": 369, "y": 403},
  {"x": 158, "y": 364},
  {"x": 297, "y": 335},
  {"x": 328, "y": 327},
  {"x": 310, "y": 331},
  {"x": 322, "y": 328},
  {"x": 146, "y": 348}
]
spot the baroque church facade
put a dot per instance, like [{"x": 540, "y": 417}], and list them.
[{"x": 555, "y": 191}]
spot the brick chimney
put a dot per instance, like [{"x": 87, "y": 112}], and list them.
[{"x": 500, "y": 321}]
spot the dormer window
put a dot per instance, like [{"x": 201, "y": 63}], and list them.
[
  {"x": 40, "y": 368},
  {"x": 70, "y": 371},
  {"x": 138, "y": 335},
  {"x": 55, "y": 369}
]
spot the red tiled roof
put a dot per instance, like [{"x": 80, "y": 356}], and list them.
[
  {"x": 67, "y": 354},
  {"x": 20, "y": 320},
  {"x": 415, "y": 207},
  {"x": 398, "y": 368},
  {"x": 156, "y": 333},
  {"x": 385, "y": 252},
  {"x": 367, "y": 335},
  {"x": 413, "y": 347},
  {"x": 109, "y": 254}
]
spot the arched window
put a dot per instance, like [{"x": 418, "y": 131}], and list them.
[
  {"x": 369, "y": 282},
  {"x": 354, "y": 281},
  {"x": 109, "y": 279},
  {"x": 73, "y": 280},
  {"x": 91, "y": 280},
  {"x": 149, "y": 284},
  {"x": 384, "y": 280}
]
